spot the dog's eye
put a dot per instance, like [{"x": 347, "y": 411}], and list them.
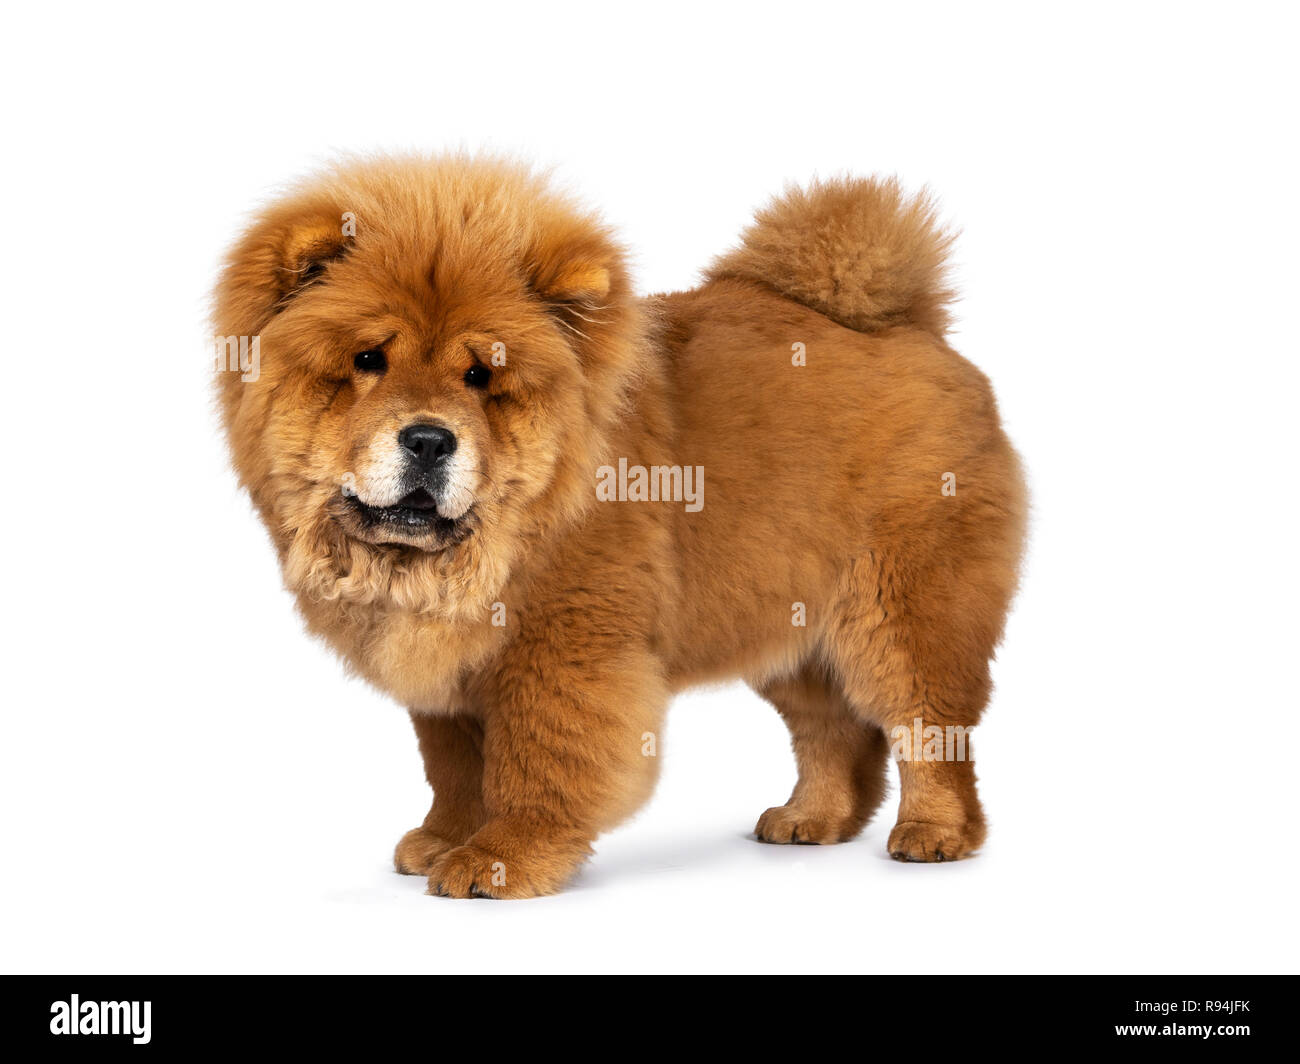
[
  {"x": 478, "y": 376},
  {"x": 373, "y": 361}
]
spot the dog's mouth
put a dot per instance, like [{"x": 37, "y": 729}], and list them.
[{"x": 414, "y": 515}]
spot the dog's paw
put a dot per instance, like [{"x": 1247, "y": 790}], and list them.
[
  {"x": 790, "y": 824},
  {"x": 919, "y": 840},
  {"x": 471, "y": 871},
  {"x": 418, "y": 850}
]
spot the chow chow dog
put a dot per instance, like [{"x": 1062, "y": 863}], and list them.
[{"x": 531, "y": 505}]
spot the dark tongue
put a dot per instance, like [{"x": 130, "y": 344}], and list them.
[{"x": 418, "y": 500}]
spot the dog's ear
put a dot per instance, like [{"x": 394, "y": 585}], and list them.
[
  {"x": 275, "y": 260},
  {"x": 579, "y": 284},
  {"x": 305, "y": 250},
  {"x": 577, "y": 270},
  {"x": 582, "y": 291}
]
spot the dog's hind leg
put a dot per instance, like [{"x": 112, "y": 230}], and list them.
[
  {"x": 841, "y": 760},
  {"x": 912, "y": 646}
]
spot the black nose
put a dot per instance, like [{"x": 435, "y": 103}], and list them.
[{"x": 429, "y": 444}]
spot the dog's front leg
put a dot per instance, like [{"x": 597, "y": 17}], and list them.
[
  {"x": 568, "y": 751},
  {"x": 452, "y": 749}
]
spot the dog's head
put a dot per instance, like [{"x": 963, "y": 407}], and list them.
[{"x": 440, "y": 347}]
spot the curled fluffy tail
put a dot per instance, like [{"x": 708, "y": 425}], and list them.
[{"x": 859, "y": 250}]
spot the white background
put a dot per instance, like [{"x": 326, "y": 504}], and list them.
[{"x": 190, "y": 784}]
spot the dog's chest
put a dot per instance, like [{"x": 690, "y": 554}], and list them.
[{"x": 421, "y": 661}]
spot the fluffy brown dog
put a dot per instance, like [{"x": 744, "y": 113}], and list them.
[{"x": 531, "y": 506}]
